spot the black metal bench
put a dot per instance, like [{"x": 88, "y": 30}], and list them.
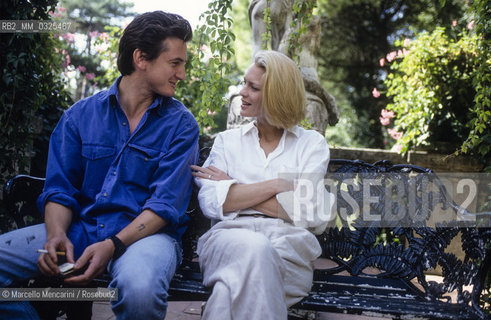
[{"x": 377, "y": 268}]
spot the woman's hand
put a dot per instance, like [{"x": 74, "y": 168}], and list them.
[
  {"x": 211, "y": 173},
  {"x": 284, "y": 185}
]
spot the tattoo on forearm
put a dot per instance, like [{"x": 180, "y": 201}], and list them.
[{"x": 141, "y": 227}]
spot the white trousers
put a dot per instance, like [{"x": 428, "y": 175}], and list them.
[{"x": 257, "y": 267}]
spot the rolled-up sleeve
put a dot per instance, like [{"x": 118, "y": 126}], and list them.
[
  {"x": 310, "y": 204},
  {"x": 63, "y": 172},
  {"x": 171, "y": 185},
  {"x": 212, "y": 194}
]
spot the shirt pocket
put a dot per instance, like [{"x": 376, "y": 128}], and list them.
[
  {"x": 96, "y": 161},
  {"x": 141, "y": 164},
  {"x": 96, "y": 152}
]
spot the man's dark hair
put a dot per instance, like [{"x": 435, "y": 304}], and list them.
[{"x": 147, "y": 33}]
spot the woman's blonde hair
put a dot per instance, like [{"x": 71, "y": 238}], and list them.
[{"x": 283, "y": 92}]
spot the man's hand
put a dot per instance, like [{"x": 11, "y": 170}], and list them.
[
  {"x": 97, "y": 256},
  {"x": 57, "y": 218},
  {"x": 47, "y": 262}
]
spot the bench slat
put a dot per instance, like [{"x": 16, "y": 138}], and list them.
[{"x": 376, "y": 304}]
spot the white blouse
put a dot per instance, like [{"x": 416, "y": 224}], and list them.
[{"x": 301, "y": 155}]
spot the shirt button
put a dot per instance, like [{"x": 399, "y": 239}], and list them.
[
  {"x": 101, "y": 225},
  {"x": 105, "y": 194},
  {"x": 146, "y": 159},
  {"x": 114, "y": 173},
  {"x": 124, "y": 123}
]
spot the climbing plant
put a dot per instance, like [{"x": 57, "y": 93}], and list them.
[
  {"x": 209, "y": 67},
  {"x": 479, "y": 138},
  {"x": 302, "y": 11},
  {"x": 266, "y": 36},
  {"x": 32, "y": 94},
  {"x": 440, "y": 88},
  {"x": 431, "y": 89},
  {"x": 302, "y": 15}
]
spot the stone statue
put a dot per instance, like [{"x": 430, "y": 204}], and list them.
[
  {"x": 281, "y": 17},
  {"x": 321, "y": 108}
]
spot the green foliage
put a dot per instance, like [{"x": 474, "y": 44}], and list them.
[
  {"x": 432, "y": 90},
  {"x": 96, "y": 15},
  {"x": 266, "y": 37},
  {"x": 32, "y": 94},
  {"x": 109, "y": 55},
  {"x": 243, "y": 34},
  {"x": 479, "y": 139},
  {"x": 84, "y": 50},
  {"x": 30, "y": 86},
  {"x": 209, "y": 68},
  {"x": 356, "y": 34},
  {"x": 302, "y": 15},
  {"x": 306, "y": 124}
]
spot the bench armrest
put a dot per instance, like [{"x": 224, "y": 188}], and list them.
[{"x": 20, "y": 194}]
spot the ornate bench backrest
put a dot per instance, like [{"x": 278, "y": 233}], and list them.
[
  {"x": 403, "y": 248},
  {"x": 395, "y": 232}
]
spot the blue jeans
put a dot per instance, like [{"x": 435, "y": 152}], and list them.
[{"x": 142, "y": 274}]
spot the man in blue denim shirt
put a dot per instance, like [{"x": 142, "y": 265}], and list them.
[{"x": 118, "y": 179}]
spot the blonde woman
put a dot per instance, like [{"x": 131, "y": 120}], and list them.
[{"x": 258, "y": 256}]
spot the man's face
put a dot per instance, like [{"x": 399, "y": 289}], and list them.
[{"x": 167, "y": 69}]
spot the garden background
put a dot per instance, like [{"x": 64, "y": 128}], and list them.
[{"x": 407, "y": 75}]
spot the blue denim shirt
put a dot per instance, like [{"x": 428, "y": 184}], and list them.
[{"x": 108, "y": 176}]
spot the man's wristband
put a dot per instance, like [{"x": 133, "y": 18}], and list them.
[{"x": 119, "y": 247}]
